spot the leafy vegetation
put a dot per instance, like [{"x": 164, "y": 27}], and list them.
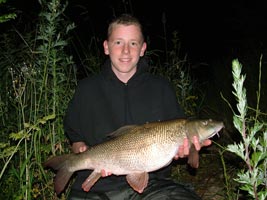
[
  {"x": 37, "y": 74},
  {"x": 252, "y": 149},
  {"x": 7, "y": 16}
]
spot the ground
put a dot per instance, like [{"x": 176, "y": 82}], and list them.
[{"x": 208, "y": 180}]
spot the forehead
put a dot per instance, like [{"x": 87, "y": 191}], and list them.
[{"x": 122, "y": 31}]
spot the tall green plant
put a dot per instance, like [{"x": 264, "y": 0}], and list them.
[
  {"x": 252, "y": 149},
  {"x": 41, "y": 85}
]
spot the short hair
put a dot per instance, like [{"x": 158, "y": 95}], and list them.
[{"x": 125, "y": 19}]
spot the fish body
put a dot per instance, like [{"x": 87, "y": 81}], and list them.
[{"x": 134, "y": 151}]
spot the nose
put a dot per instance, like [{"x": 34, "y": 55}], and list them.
[{"x": 126, "y": 49}]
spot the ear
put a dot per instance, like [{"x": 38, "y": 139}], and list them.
[
  {"x": 105, "y": 45},
  {"x": 143, "y": 49}
]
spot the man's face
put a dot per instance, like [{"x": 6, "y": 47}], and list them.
[{"x": 125, "y": 46}]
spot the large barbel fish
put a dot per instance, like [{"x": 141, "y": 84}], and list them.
[{"x": 134, "y": 151}]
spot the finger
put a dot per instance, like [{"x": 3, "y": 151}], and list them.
[
  {"x": 196, "y": 143},
  {"x": 176, "y": 157},
  {"x": 83, "y": 148},
  {"x": 180, "y": 152},
  {"x": 186, "y": 147},
  {"x": 206, "y": 142},
  {"x": 104, "y": 173}
]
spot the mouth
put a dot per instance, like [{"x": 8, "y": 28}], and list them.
[
  {"x": 216, "y": 132},
  {"x": 125, "y": 60}
]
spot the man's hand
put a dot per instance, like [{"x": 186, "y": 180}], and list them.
[
  {"x": 79, "y": 147},
  {"x": 184, "y": 149},
  {"x": 198, "y": 145},
  {"x": 105, "y": 173}
]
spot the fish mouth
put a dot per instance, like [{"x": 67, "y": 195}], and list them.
[{"x": 216, "y": 132}]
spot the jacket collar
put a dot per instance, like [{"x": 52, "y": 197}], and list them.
[{"x": 142, "y": 68}]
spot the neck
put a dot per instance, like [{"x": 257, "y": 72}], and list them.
[{"x": 124, "y": 76}]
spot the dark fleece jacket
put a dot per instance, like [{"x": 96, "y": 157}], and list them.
[{"x": 102, "y": 104}]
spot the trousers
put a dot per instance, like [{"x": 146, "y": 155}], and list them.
[{"x": 160, "y": 189}]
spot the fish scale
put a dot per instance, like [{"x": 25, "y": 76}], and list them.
[{"x": 134, "y": 151}]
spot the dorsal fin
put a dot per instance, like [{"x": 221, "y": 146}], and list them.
[{"x": 121, "y": 131}]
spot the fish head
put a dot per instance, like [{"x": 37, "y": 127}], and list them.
[{"x": 203, "y": 128}]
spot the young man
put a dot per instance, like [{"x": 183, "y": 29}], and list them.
[{"x": 123, "y": 93}]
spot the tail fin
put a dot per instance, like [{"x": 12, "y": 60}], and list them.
[{"x": 59, "y": 163}]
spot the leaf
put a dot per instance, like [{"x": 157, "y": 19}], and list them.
[
  {"x": 27, "y": 125},
  {"x": 237, "y": 123},
  {"x": 3, "y": 145},
  {"x": 238, "y": 149},
  {"x": 8, "y": 151},
  {"x": 48, "y": 117},
  {"x": 7, "y": 17},
  {"x": 17, "y": 136}
]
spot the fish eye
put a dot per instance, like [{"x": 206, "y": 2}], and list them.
[{"x": 205, "y": 122}]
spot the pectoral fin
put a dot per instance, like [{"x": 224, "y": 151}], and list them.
[
  {"x": 193, "y": 157},
  {"x": 90, "y": 181},
  {"x": 138, "y": 181}
]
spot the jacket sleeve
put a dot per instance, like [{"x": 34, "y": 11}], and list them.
[{"x": 72, "y": 118}]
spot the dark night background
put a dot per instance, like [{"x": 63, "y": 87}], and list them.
[
  {"x": 212, "y": 33},
  {"x": 207, "y": 29}
]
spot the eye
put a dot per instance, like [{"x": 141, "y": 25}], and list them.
[
  {"x": 117, "y": 42},
  {"x": 134, "y": 43},
  {"x": 205, "y": 122}
]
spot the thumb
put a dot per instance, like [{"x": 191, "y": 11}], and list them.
[{"x": 83, "y": 148}]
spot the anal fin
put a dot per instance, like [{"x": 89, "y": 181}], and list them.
[
  {"x": 138, "y": 181},
  {"x": 90, "y": 181}
]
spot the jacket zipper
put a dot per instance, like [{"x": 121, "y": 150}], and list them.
[{"x": 125, "y": 103}]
